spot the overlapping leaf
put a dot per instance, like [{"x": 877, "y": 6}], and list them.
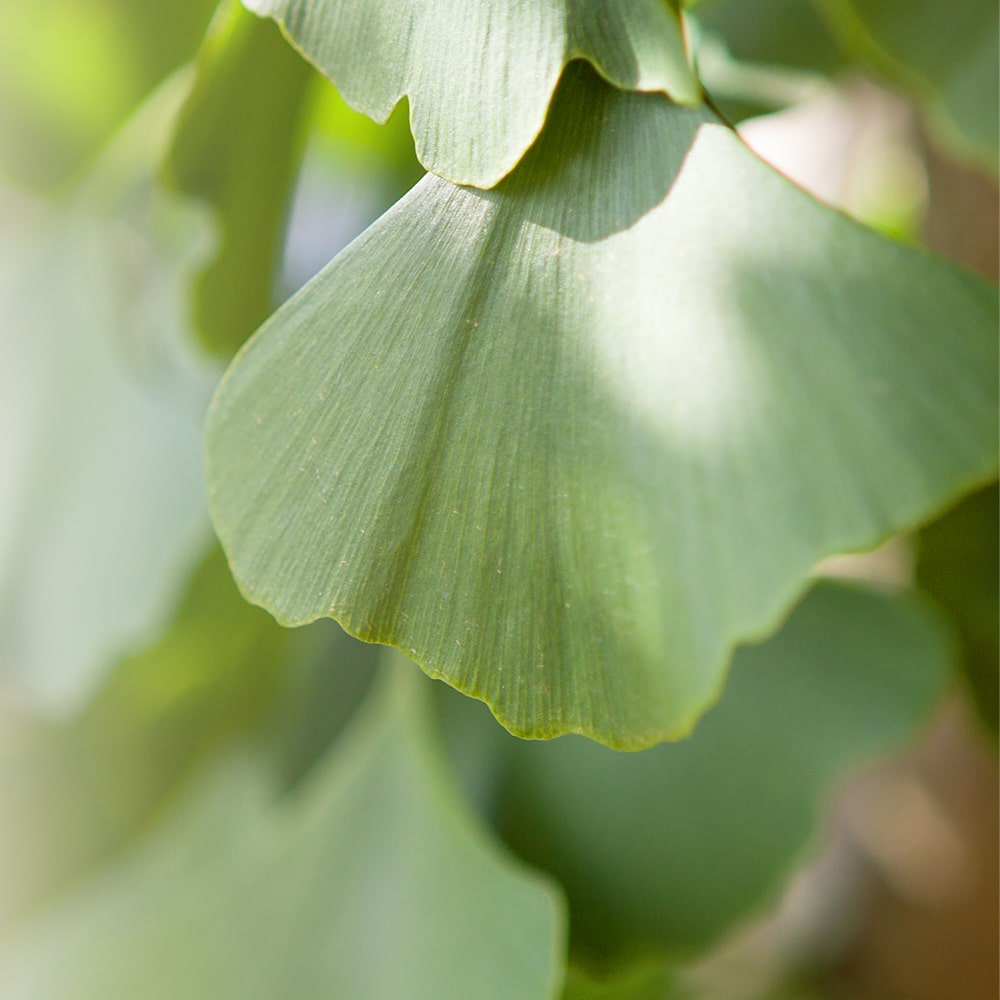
[
  {"x": 102, "y": 511},
  {"x": 374, "y": 883},
  {"x": 480, "y": 73},
  {"x": 567, "y": 441}
]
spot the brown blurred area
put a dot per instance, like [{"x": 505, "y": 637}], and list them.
[{"x": 926, "y": 830}]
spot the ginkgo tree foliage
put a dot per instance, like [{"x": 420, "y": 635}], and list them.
[
  {"x": 602, "y": 426},
  {"x": 570, "y": 425}
]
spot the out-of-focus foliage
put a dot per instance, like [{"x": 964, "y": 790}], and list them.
[
  {"x": 663, "y": 851},
  {"x": 943, "y": 54},
  {"x": 72, "y": 793},
  {"x": 373, "y": 881},
  {"x": 72, "y": 70},
  {"x": 645, "y": 982},
  {"x": 102, "y": 396}
]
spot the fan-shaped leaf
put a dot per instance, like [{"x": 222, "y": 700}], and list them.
[
  {"x": 480, "y": 73},
  {"x": 374, "y": 883},
  {"x": 567, "y": 441}
]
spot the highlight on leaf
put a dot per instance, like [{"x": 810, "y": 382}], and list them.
[{"x": 568, "y": 441}]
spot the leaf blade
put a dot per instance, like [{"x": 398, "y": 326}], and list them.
[
  {"x": 480, "y": 76},
  {"x": 567, "y": 442}
]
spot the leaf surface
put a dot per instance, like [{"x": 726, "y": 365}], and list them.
[
  {"x": 480, "y": 73},
  {"x": 372, "y": 883},
  {"x": 568, "y": 441}
]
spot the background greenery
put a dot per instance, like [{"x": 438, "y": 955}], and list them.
[{"x": 198, "y": 802}]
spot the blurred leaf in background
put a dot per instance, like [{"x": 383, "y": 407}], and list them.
[
  {"x": 661, "y": 852},
  {"x": 944, "y": 54},
  {"x": 102, "y": 396},
  {"x": 644, "y": 981},
  {"x": 74, "y": 792},
  {"x": 371, "y": 881},
  {"x": 757, "y": 56}
]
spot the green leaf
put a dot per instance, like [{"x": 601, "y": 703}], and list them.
[
  {"x": 237, "y": 146},
  {"x": 480, "y": 74},
  {"x": 566, "y": 442},
  {"x": 373, "y": 882},
  {"x": 665, "y": 850},
  {"x": 958, "y": 567},
  {"x": 944, "y": 53},
  {"x": 102, "y": 511}
]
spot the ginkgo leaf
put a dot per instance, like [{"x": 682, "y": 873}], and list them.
[
  {"x": 479, "y": 75},
  {"x": 373, "y": 882},
  {"x": 102, "y": 510},
  {"x": 567, "y": 441}
]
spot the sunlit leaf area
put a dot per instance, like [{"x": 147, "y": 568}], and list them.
[{"x": 498, "y": 500}]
